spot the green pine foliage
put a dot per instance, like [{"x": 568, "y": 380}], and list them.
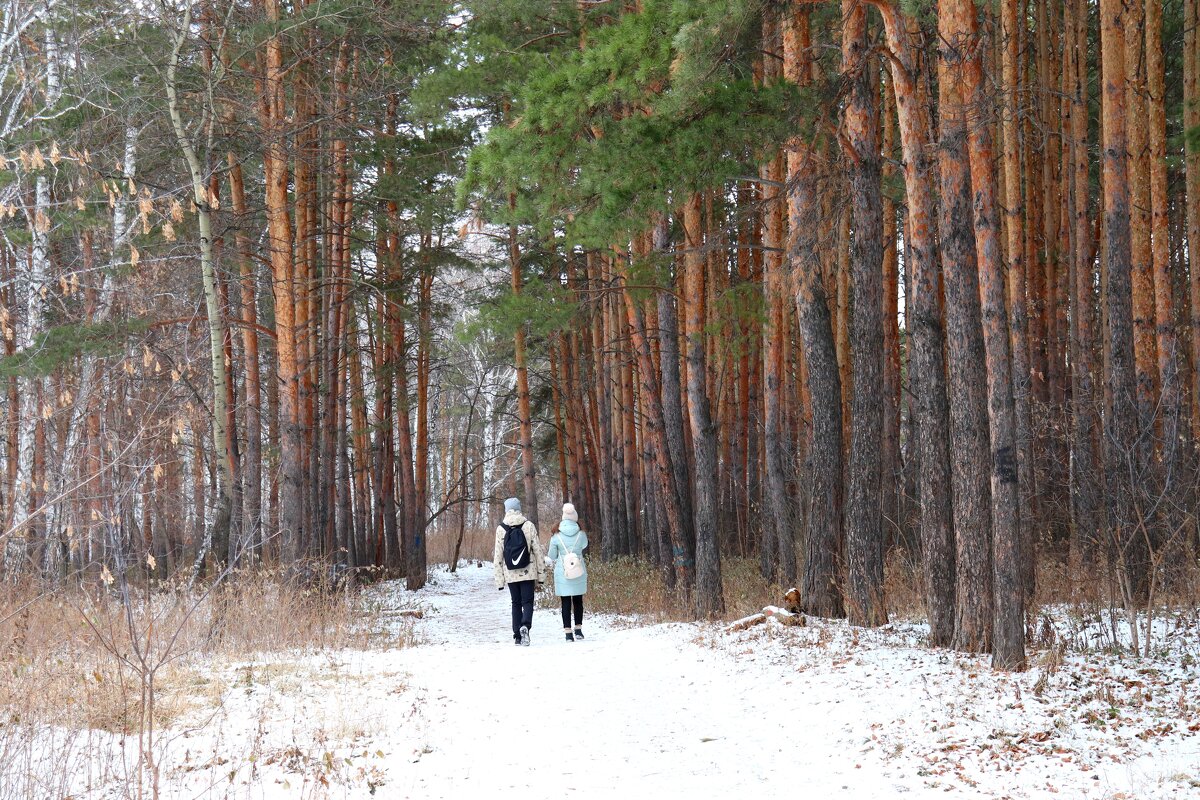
[
  {"x": 656, "y": 105},
  {"x": 62, "y": 345}
]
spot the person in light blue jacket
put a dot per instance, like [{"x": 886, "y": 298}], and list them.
[{"x": 567, "y": 545}]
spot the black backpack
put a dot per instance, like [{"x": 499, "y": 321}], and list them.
[{"x": 516, "y": 547}]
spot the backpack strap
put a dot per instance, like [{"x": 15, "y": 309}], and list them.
[{"x": 568, "y": 549}]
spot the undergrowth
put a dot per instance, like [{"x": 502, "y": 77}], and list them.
[{"x": 95, "y": 669}]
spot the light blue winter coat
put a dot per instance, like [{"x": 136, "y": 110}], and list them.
[{"x": 574, "y": 540}]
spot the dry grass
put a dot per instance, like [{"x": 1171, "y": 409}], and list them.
[
  {"x": 477, "y": 543},
  {"x": 91, "y": 651},
  {"x": 746, "y": 591},
  {"x": 1059, "y": 581},
  {"x": 628, "y": 587},
  {"x": 263, "y": 614},
  {"x": 904, "y": 586},
  {"x": 631, "y": 587},
  {"x": 77, "y": 664}
]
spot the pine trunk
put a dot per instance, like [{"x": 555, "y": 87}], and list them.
[
  {"x": 1141, "y": 259},
  {"x": 1017, "y": 289},
  {"x": 1008, "y": 627},
  {"x": 416, "y": 562},
  {"x": 1191, "y": 121},
  {"x": 925, "y": 327},
  {"x": 279, "y": 237},
  {"x": 890, "y": 472},
  {"x": 1167, "y": 345},
  {"x": 821, "y": 581},
  {"x": 1085, "y": 461},
  {"x": 967, "y": 366},
  {"x": 1120, "y": 419},
  {"x": 865, "y": 601},
  {"x": 777, "y": 548},
  {"x": 709, "y": 596},
  {"x": 524, "y": 418},
  {"x": 252, "y": 470}
]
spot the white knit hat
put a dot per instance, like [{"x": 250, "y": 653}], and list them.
[{"x": 570, "y": 513}]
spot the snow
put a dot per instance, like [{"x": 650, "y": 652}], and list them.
[{"x": 678, "y": 710}]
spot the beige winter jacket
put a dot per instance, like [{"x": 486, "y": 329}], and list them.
[{"x": 536, "y": 569}]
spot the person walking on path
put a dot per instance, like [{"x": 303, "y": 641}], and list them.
[
  {"x": 519, "y": 565},
  {"x": 570, "y": 571}
]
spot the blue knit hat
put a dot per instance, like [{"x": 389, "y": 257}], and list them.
[{"x": 512, "y": 504}]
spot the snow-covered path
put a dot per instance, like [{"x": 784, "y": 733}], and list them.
[
  {"x": 644, "y": 710},
  {"x": 684, "y": 711}
]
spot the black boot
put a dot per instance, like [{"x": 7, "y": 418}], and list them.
[
  {"x": 570, "y": 637},
  {"x": 578, "y": 633}
]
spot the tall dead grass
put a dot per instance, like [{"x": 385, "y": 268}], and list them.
[
  {"x": 629, "y": 586},
  {"x": 85, "y": 671}
]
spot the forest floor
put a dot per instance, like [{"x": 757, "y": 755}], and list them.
[{"x": 674, "y": 710}]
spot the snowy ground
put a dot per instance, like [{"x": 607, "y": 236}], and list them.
[{"x": 678, "y": 711}]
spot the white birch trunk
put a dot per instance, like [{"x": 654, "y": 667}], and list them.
[
  {"x": 17, "y": 538},
  {"x": 216, "y": 328}
]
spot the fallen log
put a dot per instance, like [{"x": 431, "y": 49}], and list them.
[
  {"x": 746, "y": 622},
  {"x": 780, "y": 615},
  {"x": 415, "y": 613},
  {"x": 784, "y": 616}
]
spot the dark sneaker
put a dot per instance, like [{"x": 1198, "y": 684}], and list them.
[
  {"x": 570, "y": 636},
  {"x": 524, "y": 636},
  {"x": 517, "y": 642},
  {"x": 578, "y": 633}
]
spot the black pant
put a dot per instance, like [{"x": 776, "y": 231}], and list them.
[
  {"x": 567, "y": 603},
  {"x": 522, "y": 603}
]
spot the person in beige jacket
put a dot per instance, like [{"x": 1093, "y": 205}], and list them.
[{"x": 520, "y": 566}]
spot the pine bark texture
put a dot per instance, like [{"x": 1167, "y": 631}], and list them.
[
  {"x": 1120, "y": 420},
  {"x": 967, "y": 383},
  {"x": 709, "y": 599},
  {"x": 925, "y": 326},
  {"x": 865, "y": 602},
  {"x": 1008, "y": 626}
]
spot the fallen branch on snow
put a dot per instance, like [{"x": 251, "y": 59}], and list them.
[
  {"x": 780, "y": 615},
  {"x": 403, "y": 612}
]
